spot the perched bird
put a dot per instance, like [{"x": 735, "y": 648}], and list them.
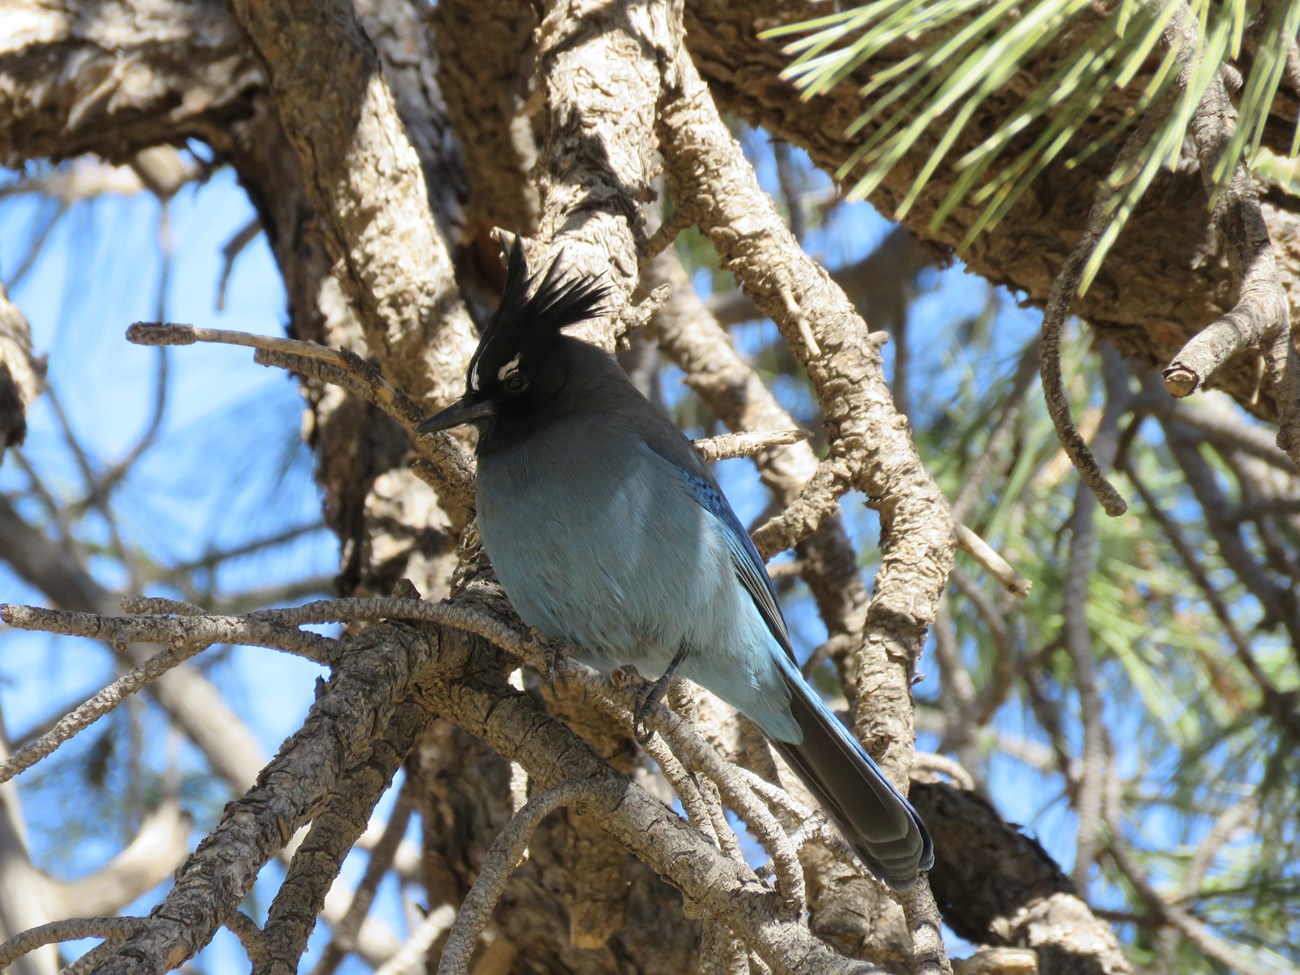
[{"x": 608, "y": 531}]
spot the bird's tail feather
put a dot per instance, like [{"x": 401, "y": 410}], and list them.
[{"x": 881, "y": 826}]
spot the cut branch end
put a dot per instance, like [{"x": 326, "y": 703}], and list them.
[
  {"x": 1180, "y": 381},
  {"x": 161, "y": 333}
]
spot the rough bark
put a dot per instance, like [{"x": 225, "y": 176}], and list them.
[
  {"x": 156, "y": 71},
  {"x": 1003, "y": 888},
  {"x": 1166, "y": 277},
  {"x": 1165, "y": 280}
]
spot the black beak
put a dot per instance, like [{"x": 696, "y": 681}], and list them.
[{"x": 464, "y": 410}]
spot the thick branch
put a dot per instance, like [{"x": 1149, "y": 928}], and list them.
[
  {"x": 483, "y": 50},
  {"x": 360, "y": 697},
  {"x": 597, "y": 165},
  {"x": 318, "y": 859},
  {"x": 1260, "y": 317},
  {"x": 1003, "y": 888},
  {"x": 1163, "y": 280},
  {"x": 364, "y": 180},
  {"x": 870, "y": 446},
  {"x": 138, "y": 74}
]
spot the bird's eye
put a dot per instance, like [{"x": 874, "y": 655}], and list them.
[{"x": 515, "y": 382}]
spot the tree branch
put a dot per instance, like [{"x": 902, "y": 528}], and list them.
[
  {"x": 1003, "y": 888},
  {"x": 360, "y": 697},
  {"x": 191, "y": 701},
  {"x": 870, "y": 448},
  {"x": 364, "y": 180},
  {"x": 318, "y": 859}
]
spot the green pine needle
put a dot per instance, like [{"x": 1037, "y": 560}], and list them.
[{"x": 965, "y": 51}]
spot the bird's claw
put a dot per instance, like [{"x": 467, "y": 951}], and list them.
[
  {"x": 652, "y": 694},
  {"x": 647, "y": 698},
  {"x": 557, "y": 661}
]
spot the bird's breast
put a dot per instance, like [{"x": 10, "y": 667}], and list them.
[{"x": 597, "y": 541}]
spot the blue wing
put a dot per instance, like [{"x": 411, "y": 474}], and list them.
[
  {"x": 744, "y": 556},
  {"x": 878, "y": 822}
]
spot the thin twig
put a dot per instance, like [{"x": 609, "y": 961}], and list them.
[
  {"x": 992, "y": 562},
  {"x": 746, "y": 444},
  {"x": 942, "y": 765},
  {"x": 812, "y": 823},
  {"x": 249, "y": 934},
  {"x": 678, "y": 221},
  {"x": 1064, "y": 287},
  {"x": 458, "y": 616},
  {"x": 231, "y": 250},
  {"x": 698, "y": 812},
  {"x": 436, "y": 923},
  {"x": 214, "y": 557},
  {"x": 72, "y": 929},
  {"x": 454, "y": 471},
  {"x": 86, "y": 468},
  {"x": 183, "y": 638},
  {"x": 500, "y": 863},
  {"x": 175, "y": 333}
]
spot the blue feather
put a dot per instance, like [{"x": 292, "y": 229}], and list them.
[{"x": 748, "y": 564}]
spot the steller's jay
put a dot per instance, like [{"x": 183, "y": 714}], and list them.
[{"x": 608, "y": 531}]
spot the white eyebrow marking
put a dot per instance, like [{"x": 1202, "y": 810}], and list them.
[{"x": 505, "y": 370}]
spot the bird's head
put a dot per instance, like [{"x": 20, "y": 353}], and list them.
[{"x": 515, "y": 368}]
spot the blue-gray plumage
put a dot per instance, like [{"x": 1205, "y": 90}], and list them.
[{"x": 607, "y": 530}]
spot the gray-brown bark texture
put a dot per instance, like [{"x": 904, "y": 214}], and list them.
[{"x": 380, "y": 142}]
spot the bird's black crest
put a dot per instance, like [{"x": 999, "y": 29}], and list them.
[
  {"x": 558, "y": 300},
  {"x": 528, "y": 319}
]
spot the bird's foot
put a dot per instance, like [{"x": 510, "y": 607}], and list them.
[
  {"x": 651, "y": 695},
  {"x": 646, "y": 699},
  {"x": 556, "y": 655}
]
